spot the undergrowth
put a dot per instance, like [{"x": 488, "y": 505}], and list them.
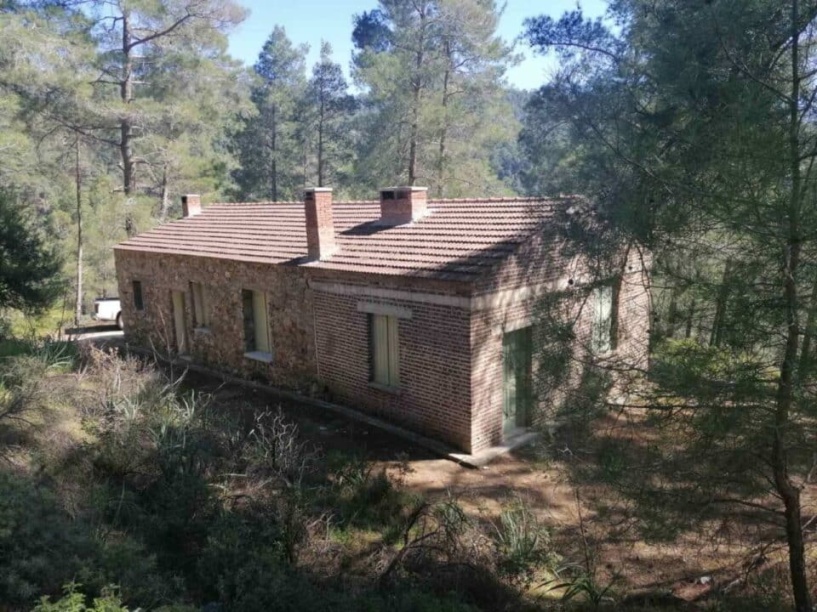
[{"x": 179, "y": 502}]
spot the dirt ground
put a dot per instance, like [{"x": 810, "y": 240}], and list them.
[{"x": 685, "y": 570}]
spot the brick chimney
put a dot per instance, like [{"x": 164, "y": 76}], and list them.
[
  {"x": 191, "y": 205},
  {"x": 320, "y": 229},
  {"x": 400, "y": 205}
]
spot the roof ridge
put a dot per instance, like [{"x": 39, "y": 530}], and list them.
[
  {"x": 473, "y": 200},
  {"x": 299, "y": 202},
  {"x": 491, "y": 200}
]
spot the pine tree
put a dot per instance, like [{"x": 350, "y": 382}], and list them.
[
  {"x": 29, "y": 266},
  {"x": 330, "y": 109},
  {"x": 692, "y": 130},
  {"x": 434, "y": 104},
  {"x": 270, "y": 145}
]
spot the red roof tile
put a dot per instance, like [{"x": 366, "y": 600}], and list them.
[{"x": 457, "y": 240}]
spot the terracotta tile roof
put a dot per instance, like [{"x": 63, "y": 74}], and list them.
[{"x": 457, "y": 240}]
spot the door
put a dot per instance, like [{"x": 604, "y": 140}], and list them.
[
  {"x": 179, "y": 328},
  {"x": 516, "y": 383}
]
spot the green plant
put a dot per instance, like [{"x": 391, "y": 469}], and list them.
[
  {"x": 522, "y": 542},
  {"x": 56, "y": 356},
  {"x": 74, "y": 601},
  {"x": 367, "y": 498},
  {"x": 40, "y": 546}
]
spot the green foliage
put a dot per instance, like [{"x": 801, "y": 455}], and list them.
[
  {"x": 365, "y": 497},
  {"x": 29, "y": 265},
  {"x": 523, "y": 543},
  {"x": 13, "y": 347},
  {"x": 174, "y": 499},
  {"x": 691, "y": 138},
  {"x": 74, "y": 601},
  {"x": 41, "y": 546},
  {"x": 434, "y": 69},
  {"x": 707, "y": 372},
  {"x": 23, "y": 368},
  {"x": 327, "y": 124},
  {"x": 269, "y": 143},
  {"x": 582, "y": 587}
]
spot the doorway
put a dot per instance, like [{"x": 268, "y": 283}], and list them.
[
  {"x": 516, "y": 380},
  {"x": 179, "y": 327}
]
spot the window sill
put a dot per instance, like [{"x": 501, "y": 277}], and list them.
[
  {"x": 386, "y": 388},
  {"x": 259, "y": 356}
]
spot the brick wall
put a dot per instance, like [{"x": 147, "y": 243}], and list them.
[
  {"x": 290, "y": 313},
  {"x": 435, "y": 368},
  {"x": 544, "y": 264},
  {"x": 451, "y": 363}
]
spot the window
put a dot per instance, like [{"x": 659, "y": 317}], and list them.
[
  {"x": 385, "y": 350},
  {"x": 138, "y": 303},
  {"x": 256, "y": 326},
  {"x": 603, "y": 315},
  {"x": 201, "y": 305}
]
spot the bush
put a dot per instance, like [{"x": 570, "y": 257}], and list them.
[
  {"x": 40, "y": 546},
  {"x": 74, "y": 601},
  {"x": 367, "y": 498},
  {"x": 685, "y": 366},
  {"x": 522, "y": 542},
  {"x": 171, "y": 498},
  {"x": 275, "y": 452}
]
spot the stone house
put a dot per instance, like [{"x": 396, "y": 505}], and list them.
[{"x": 419, "y": 312}]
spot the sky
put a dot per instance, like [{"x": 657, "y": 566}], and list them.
[{"x": 310, "y": 21}]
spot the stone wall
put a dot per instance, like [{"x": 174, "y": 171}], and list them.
[{"x": 221, "y": 345}]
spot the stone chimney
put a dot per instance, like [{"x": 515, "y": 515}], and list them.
[
  {"x": 320, "y": 228},
  {"x": 400, "y": 205},
  {"x": 191, "y": 205}
]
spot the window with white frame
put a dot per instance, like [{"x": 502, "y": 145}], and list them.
[
  {"x": 602, "y": 339},
  {"x": 201, "y": 305},
  {"x": 256, "y": 324},
  {"x": 385, "y": 350}
]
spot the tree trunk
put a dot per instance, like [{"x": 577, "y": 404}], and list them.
[
  {"x": 165, "y": 206},
  {"x": 804, "y": 368},
  {"x": 690, "y": 319},
  {"x": 716, "y": 337},
  {"x": 126, "y": 95},
  {"x": 274, "y": 172},
  {"x": 417, "y": 87},
  {"x": 444, "y": 131},
  {"x": 672, "y": 314},
  {"x": 788, "y": 491},
  {"x": 321, "y": 113},
  {"x": 78, "y": 177}
]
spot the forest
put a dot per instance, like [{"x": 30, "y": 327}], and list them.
[{"x": 688, "y": 128}]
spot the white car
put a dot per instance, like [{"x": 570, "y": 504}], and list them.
[{"x": 108, "y": 309}]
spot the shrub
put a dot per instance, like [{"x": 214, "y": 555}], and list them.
[
  {"x": 74, "y": 601},
  {"x": 40, "y": 546},
  {"x": 522, "y": 542},
  {"x": 276, "y": 454},
  {"x": 367, "y": 498}
]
